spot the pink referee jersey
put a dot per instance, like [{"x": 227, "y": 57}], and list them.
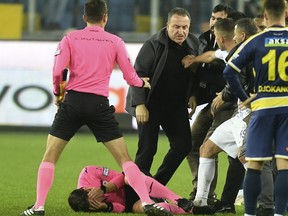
[
  {"x": 94, "y": 176},
  {"x": 90, "y": 54}
]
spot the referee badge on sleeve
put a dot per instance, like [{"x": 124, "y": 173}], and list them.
[{"x": 58, "y": 51}]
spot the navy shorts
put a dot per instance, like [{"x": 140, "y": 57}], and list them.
[
  {"x": 80, "y": 109},
  {"x": 267, "y": 134}
]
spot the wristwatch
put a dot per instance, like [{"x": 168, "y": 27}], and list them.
[{"x": 103, "y": 188}]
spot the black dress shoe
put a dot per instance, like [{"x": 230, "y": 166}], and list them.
[
  {"x": 264, "y": 211},
  {"x": 222, "y": 207},
  {"x": 203, "y": 210}
]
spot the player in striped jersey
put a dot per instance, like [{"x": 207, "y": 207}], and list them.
[{"x": 269, "y": 119}]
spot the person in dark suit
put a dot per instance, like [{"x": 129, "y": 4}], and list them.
[{"x": 160, "y": 60}]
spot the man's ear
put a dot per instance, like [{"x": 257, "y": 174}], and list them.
[
  {"x": 105, "y": 18},
  {"x": 244, "y": 36},
  {"x": 84, "y": 17}
]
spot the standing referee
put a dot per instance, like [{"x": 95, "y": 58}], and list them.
[{"x": 90, "y": 55}]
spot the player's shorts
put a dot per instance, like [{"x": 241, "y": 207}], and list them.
[
  {"x": 80, "y": 109},
  {"x": 262, "y": 131},
  {"x": 131, "y": 198},
  {"x": 229, "y": 135}
]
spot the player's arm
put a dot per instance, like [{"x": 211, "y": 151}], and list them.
[
  {"x": 206, "y": 57},
  {"x": 61, "y": 62},
  {"x": 129, "y": 73},
  {"x": 231, "y": 76},
  {"x": 115, "y": 182},
  {"x": 96, "y": 193},
  {"x": 106, "y": 206}
]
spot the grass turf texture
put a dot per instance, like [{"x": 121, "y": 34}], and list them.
[{"x": 21, "y": 153}]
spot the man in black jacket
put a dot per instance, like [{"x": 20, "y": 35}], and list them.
[{"x": 160, "y": 60}]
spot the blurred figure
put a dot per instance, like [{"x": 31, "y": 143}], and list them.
[
  {"x": 57, "y": 13},
  {"x": 259, "y": 19}
]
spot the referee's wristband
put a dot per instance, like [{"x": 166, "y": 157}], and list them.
[
  {"x": 103, "y": 188},
  {"x": 110, "y": 207}
]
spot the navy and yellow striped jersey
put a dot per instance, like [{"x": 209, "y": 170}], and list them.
[{"x": 268, "y": 51}]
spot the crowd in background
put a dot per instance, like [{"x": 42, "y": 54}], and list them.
[{"x": 127, "y": 15}]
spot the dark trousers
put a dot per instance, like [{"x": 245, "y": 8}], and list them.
[
  {"x": 234, "y": 180},
  {"x": 202, "y": 128},
  {"x": 177, "y": 129}
]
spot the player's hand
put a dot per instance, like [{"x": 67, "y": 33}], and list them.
[
  {"x": 146, "y": 82},
  {"x": 217, "y": 101},
  {"x": 192, "y": 104},
  {"x": 95, "y": 193},
  {"x": 142, "y": 113},
  {"x": 247, "y": 103},
  {"x": 188, "y": 60},
  {"x": 95, "y": 204},
  {"x": 58, "y": 101}
]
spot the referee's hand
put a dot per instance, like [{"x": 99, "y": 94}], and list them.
[{"x": 146, "y": 82}]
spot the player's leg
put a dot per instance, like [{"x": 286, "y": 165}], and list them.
[
  {"x": 222, "y": 138},
  {"x": 45, "y": 177},
  {"x": 158, "y": 190},
  {"x": 133, "y": 175},
  {"x": 258, "y": 149},
  {"x": 138, "y": 208},
  {"x": 233, "y": 135},
  {"x": 206, "y": 171},
  {"x": 199, "y": 130},
  {"x": 281, "y": 155},
  {"x": 63, "y": 128},
  {"x": 220, "y": 115}
]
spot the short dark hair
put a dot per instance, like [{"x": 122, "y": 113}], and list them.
[
  {"x": 236, "y": 15},
  {"x": 275, "y": 8},
  {"x": 78, "y": 200},
  {"x": 247, "y": 25},
  {"x": 179, "y": 11},
  {"x": 226, "y": 26},
  {"x": 222, "y": 7},
  {"x": 94, "y": 10}
]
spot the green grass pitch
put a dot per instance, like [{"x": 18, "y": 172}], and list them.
[{"x": 21, "y": 153}]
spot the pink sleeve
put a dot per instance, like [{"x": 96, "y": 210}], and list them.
[
  {"x": 61, "y": 61},
  {"x": 118, "y": 180},
  {"x": 126, "y": 67},
  {"x": 117, "y": 207}
]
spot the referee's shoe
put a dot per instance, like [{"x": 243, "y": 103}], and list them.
[
  {"x": 155, "y": 210},
  {"x": 32, "y": 211}
]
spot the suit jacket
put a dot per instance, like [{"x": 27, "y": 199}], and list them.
[{"x": 150, "y": 62}]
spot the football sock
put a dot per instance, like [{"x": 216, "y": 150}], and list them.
[
  {"x": 252, "y": 189},
  {"x": 156, "y": 189},
  {"x": 134, "y": 179},
  {"x": 205, "y": 177},
  {"x": 44, "y": 183},
  {"x": 281, "y": 195}
]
